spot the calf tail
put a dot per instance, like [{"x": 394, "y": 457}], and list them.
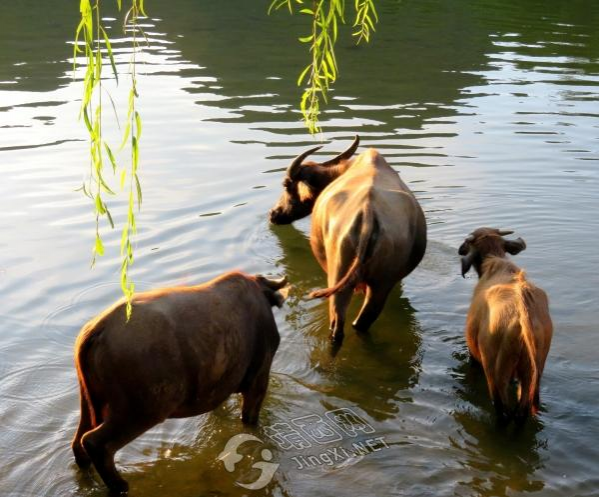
[
  {"x": 525, "y": 301},
  {"x": 368, "y": 235},
  {"x": 82, "y": 346}
]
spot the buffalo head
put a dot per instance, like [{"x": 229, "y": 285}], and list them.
[
  {"x": 275, "y": 291},
  {"x": 303, "y": 183},
  {"x": 485, "y": 242}
]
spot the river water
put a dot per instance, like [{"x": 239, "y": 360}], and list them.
[{"x": 488, "y": 110}]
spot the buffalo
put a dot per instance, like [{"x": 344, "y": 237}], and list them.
[
  {"x": 508, "y": 328},
  {"x": 182, "y": 353},
  {"x": 368, "y": 230}
]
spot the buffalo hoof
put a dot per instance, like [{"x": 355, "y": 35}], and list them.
[
  {"x": 83, "y": 461},
  {"x": 118, "y": 487},
  {"x": 360, "y": 327},
  {"x": 337, "y": 336},
  {"x": 81, "y": 458},
  {"x": 249, "y": 420}
]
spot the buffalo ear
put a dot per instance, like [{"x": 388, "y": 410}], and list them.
[
  {"x": 464, "y": 247},
  {"x": 276, "y": 297},
  {"x": 275, "y": 291},
  {"x": 468, "y": 260},
  {"x": 514, "y": 246},
  {"x": 466, "y": 265}
]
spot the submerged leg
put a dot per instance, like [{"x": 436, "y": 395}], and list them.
[
  {"x": 104, "y": 441},
  {"x": 338, "y": 304},
  {"x": 372, "y": 307},
  {"x": 253, "y": 398},
  {"x": 85, "y": 425}
]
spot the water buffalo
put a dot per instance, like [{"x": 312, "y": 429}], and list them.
[
  {"x": 368, "y": 230},
  {"x": 182, "y": 353},
  {"x": 508, "y": 328}
]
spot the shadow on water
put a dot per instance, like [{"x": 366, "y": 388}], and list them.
[
  {"x": 501, "y": 459},
  {"x": 372, "y": 370}
]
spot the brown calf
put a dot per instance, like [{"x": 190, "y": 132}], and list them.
[{"x": 508, "y": 328}]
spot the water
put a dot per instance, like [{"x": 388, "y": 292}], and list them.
[{"x": 487, "y": 109}]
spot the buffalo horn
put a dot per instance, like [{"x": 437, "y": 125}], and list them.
[
  {"x": 344, "y": 155},
  {"x": 294, "y": 168},
  {"x": 275, "y": 284}
]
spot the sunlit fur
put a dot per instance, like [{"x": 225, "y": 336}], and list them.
[
  {"x": 508, "y": 328},
  {"x": 182, "y": 353},
  {"x": 368, "y": 230}
]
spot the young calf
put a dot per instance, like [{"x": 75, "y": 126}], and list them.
[
  {"x": 508, "y": 328},
  {"x": 182, "y": 353}
]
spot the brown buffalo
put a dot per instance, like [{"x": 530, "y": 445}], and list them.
[
  {"x": 182, "y": 353},
  {"x": 368, "y": 230},
  {"x": 508, "y": 328}
]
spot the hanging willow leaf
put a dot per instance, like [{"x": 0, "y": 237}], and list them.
[
  {"x": 323, "y": 70},
  {"x": 91, "y": 38},
  {"x": 110, "y": 55}
]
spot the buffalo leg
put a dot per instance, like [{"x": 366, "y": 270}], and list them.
[
  {"x": 253, "y": 397},
  {"x": 338, "y": 304},
  {"x": 372, "y": 307},
  {"x": 104, "y": 441},
  {"x": 85, "y": 425}
]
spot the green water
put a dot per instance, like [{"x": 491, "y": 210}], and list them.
[{"x": 489, "y": 111}]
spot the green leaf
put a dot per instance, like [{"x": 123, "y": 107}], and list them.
[
  {"x": 135, "y": 153},
  {"x": 141, "y": 8},
  {"x": 110, "y": 218},
  {"x": 139, "y": 195},
  {"x": 100, "y": 206},
  {"x": 301, "y": 77},
  {"x": 137, "y": 125},
  {"x": 124, "y": 238},
  {"x": 99, "y": 247},
  {"x": 125, "y": 135},
  {"x": 88, "y": 124},
  {"x": 110, "y": 156},
  {"x": 110, "y": 55}
]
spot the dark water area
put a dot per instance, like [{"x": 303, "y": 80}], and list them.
[{"x": 488, "y": 110}]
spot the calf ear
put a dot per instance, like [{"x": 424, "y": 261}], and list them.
[
  {"x": 463, "y": 250},
  {"x": 514, "y": 246}
]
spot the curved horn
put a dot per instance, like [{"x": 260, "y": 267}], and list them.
[
  {"x": 293, "y": 169},
  {"x": 504, "y": 232},
  {"x": 274, "y": 284},
  {"x": 344, "y": 155}
]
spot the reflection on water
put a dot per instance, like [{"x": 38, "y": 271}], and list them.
[
  {"x": 373, "y": 370},
  {"x": 489, "y": 112},
  {"x": 508, "y": 455}
]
